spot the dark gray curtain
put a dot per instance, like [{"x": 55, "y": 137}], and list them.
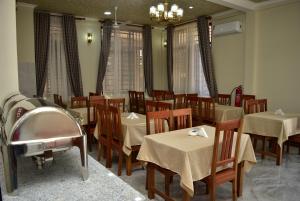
[
  {"x": 206, "y": 55},
  {"x": 147, "y": 58},
  {"x": 41, "y": 43},
  {"x": 105, "y": 48},
  {"x": 72, "y": 57},
  {"x": 170, "y": 30}
]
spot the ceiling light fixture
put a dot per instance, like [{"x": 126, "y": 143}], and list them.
[
  {"x": 162, "y": 14},
  {"x": 191, "y": 7},
  {"x": 107, "y": 13}
]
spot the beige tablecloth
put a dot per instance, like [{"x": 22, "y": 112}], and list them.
[
  {"x": 226, "y": 112},
  {"x": 189, "y": 156},
  {"x": 83, "y": 114},
  {"x": 272, "y": 125},
  {"x": 134, "y": 131}
]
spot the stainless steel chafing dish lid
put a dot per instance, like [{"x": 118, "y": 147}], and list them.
[{"x": 41, "y": 123}]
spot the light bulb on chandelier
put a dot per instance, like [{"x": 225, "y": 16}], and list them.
[{"x": 162, "y": 14}]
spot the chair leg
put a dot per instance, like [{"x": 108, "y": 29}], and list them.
[
  {"x": 263, "y": 148},
  {"x": 128, "y": 165},
  {"x": 288, "y": 147},
  {"x": 120, "y": 162},
  {"x": 167, "y": 184},
  {"x": 100, "y": 149},
  {"x": 108, "y": 157},
  {"x": 212, "y": 192},
  {"x": 234, "y": 190},
  {"x": 254, "y": 143}
]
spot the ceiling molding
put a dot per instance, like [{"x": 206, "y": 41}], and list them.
[
  {"x": 241, "y": 5},
  {"x": 273, "y": 3},
  {"x": 26, "y": 5},
  {"x": 247, "y": 5}
]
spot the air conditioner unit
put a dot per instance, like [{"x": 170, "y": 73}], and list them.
[{"x": 227, "y": 28}]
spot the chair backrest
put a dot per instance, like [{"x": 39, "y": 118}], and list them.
[
  {"x": 102, "y": 120},
  {"x": 207, "y": 109},
  {"x": 158, "y": 95},
  {"x": 79, "y": 101},
  {"x": 159, "y": 118},
  {"x": 115, "y": 124},
  {"x": 132, "y": 101},
  {"x": 246, "y": 98},
  {"x": 254, "y": 106},
  {"x": 150, "y": 106},
  {"x": 179, "y": 101},
  {"x": 140, "y": 99},
  {"x": 92, "y": 108},
  {"x": 168, "y": 95},
  {"x": 193, "y": 102},
  {"x": 192, "y": 95},
  {"x": 224, "y": 156},
  {"x": 58, "y": 100},
  {"x": 163, "y": 106},
  {"x": 182, "y": 118},
  {"x": 117, "y": 102},
  {"x": 224, "y": 99}
]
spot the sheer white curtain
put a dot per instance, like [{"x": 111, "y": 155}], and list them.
[
  {"x": 57, "y": 80},
  {"x": 187, "y": 67},
  {"x": 125, "y": 63}
]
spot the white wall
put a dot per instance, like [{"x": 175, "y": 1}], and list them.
[
  {"x": 278, "y": 61},
  {"x": 228, "y": 56},
  {"x": 88, "y": 53},
  {"x": 25, "y": 46},
  {"x": 160, "y": 81},
  {"x": 264, "y": 58},
  {"x": 8, "y": 49}
]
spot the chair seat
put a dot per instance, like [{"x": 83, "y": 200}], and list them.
[{"x": 225, "y": 175}]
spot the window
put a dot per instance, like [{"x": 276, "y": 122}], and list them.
[
  {"x": 57, "y": 81},
  {"x": 125, "y": 69},
  {"x": 187, "y": 67}
]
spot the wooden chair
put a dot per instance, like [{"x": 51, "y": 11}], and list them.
[
  {"x": 158, "y": 95},
  {"x": 207, "y": 111},
  {"x": 159, "y": 118},
  {"x": 255, "y": 106},
  {"x": 163, "y": 106},
  {"x": 293, "y": 140},
  {"x": 179, "y": 101},
  {"x": 246, "y": 98},
  {"x": 117, "y": 102},
  {"x": 58, "y": 100},
  {"x": 193, "y": 102},
  {"x": 192, "y": 95},
  {"x": 104, "y": 137},
  {"x": 150, "y": 106},
  {"x": 168, "y": 95},
  {"x": 117, "y": 141},
  {"x": 92, "y": 116},
  {"x": 224, "y": 157},
  {"x": 79, "y": 102},
  {"x": 182, "y": 118},
  {"x": 140, "y": 102},
  {"x": 132, "y": 101},
  {"x": 224, "y": 99}
]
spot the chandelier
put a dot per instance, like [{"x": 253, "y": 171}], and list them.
[{"x": 162, "y": 14}]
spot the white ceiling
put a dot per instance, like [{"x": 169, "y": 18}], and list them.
[{"x": 137, "y": 11}]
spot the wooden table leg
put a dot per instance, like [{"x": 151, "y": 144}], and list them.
[
  {"x": 128, "y": 165},
  {"x": 278, "y": 155},
  {"x": 151, "y": 180},
  {"x": 186, "y": 196},
  {"x": 240, "y": 179}
]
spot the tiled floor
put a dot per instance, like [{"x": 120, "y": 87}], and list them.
[{"x": 265, "y": 182}]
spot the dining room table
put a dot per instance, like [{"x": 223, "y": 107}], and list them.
[
  {"x": 134, "y": 130},
  {"x": 227, "y": 112},
  {"x": 191, "y": 157},
  {"x": 278, "y": 125}
]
